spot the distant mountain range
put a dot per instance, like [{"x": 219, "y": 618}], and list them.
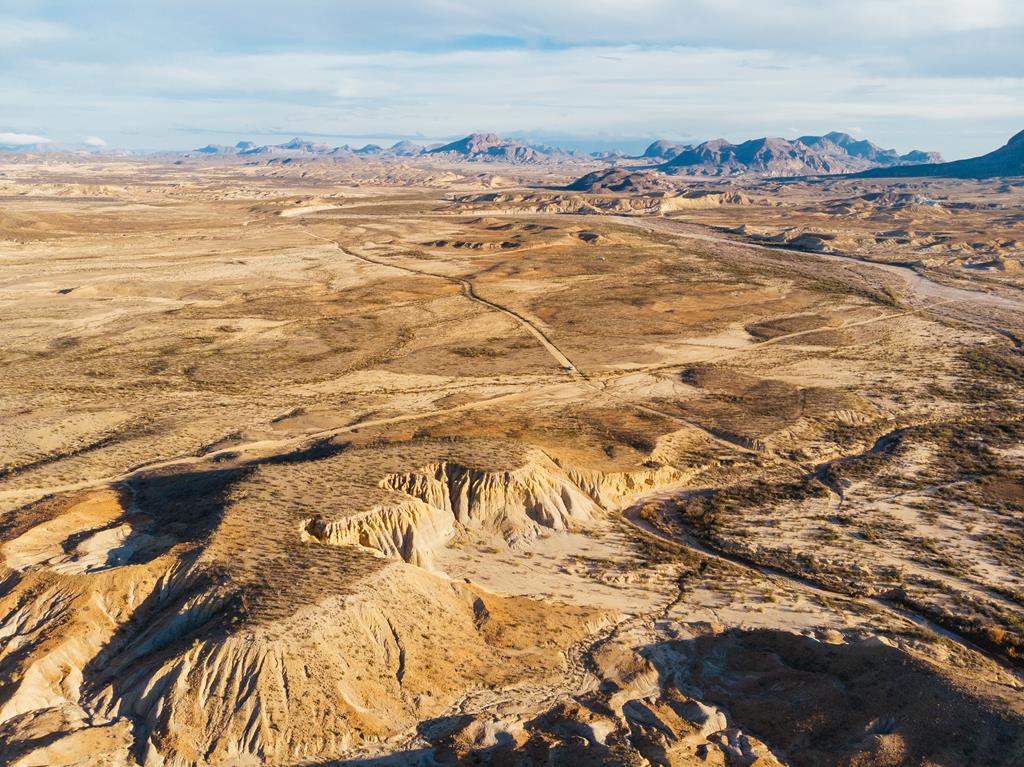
[
  {"x": 808, "y": 155},
  {"x": 299, "y": 147},
  {"x": 1008, "y": 160},
  {"x": 53, "y": 147},
  {"x": 831, "y": 154},
  {"x": 476, "y": 147}
]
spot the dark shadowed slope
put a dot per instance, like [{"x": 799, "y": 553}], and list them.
[{"x": 1008, "y": 160}]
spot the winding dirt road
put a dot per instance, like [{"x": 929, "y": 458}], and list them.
[{"x": 469, "y": 291}]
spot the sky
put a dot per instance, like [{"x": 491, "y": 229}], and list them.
[{"x": 944, "y": 75}]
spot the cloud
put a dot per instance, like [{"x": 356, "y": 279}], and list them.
[
  {"x": 907, "y": 71},
  {"x": 17, "y": 31},
  {"x": 255, "y": 26},
  {"x": 22, "y": 139},
  {"x": 94, "y": 141},
  {"x": 606, "y": 87}
]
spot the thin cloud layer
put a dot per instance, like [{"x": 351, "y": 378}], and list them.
[
  {"x": 19, "y": 32},
  {"x": 22, "y": 139},
  {"x": 945, "y": 75}
]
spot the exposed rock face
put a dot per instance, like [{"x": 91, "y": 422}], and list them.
[
  {"x": 514, "y": 506},
  {"x": 183, "y": 661},
  {"x": 488, "y": 147},
  {"x": 165, "y": 663},
  {"x": 634, "y": 718},
  {"x": 845, "y": 150},
  {"x": 410, "y": 530},
  {"x": 843, "y": 146},
  {"x": 357, "y": 666},
  {"x": 765, "y": 156},
  {"x": 834, "y": 152},
  {"x": 477, "y": 147},
  {"x": 615, "y": 489},
  {"x": 662, "y": 149},
  {"x": 808, "y": 155},
  {"x": 194, "y": 655},
  {"x": 653, "y": 203},
  {"x": 547, "y": 202},
  {"x": 297, "y": 147},
  {"x": 473, "y": 144},
  {"x": 699, "y": 198}
]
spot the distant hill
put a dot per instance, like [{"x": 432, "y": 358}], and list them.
[
  {"x": 489, "y": 147},
  {"x": 1008, "y": 160},
  {"x": 476, "y": 147},
  {"x": 919, "y": 157},
  {"x": 619, "y": 180},
  {"x": 763, "y": 156},
  {"x": 216, "y": 150},
  {"x": 663, "y": 149},
  {"x": 843, "y": 146},
  {"x": 301, "y": 148},
  {"x": 406, "y": 149},
  {"x": 832, "y": 153}
]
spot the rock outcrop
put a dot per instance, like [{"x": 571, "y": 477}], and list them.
[
  {"x": 770, "y": 156},
  {"x": 170, "y": 662},
  {"x": 514, "y": 507},
  {"x": 488, "y": 147},
  {"x": 652, "y": 204}
]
